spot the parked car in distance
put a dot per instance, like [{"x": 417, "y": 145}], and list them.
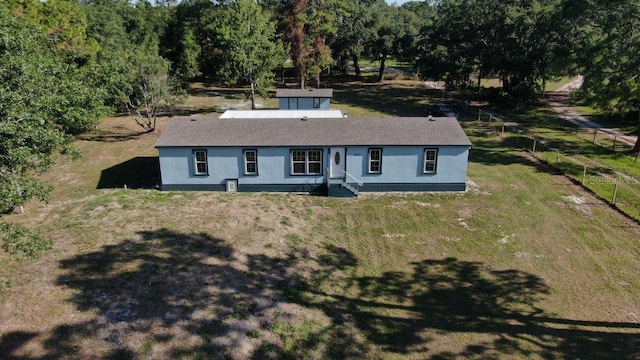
[{"x": 441, "y": 110}]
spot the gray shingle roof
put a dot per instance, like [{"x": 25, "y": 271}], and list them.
[
  {"x": 299, "y": 93},
  {"x": 211, "y": 132}
]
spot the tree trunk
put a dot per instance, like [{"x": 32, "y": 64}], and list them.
[
  {"x": 153, "y": 123},
  {"x": 509, "y": 83},
  {"x": 301, "y": 81},
  {"x": 318, "y": 45},
  {"x": 295, "y": 10},
  {"x": 506, "y": 84},
  {"x": 343, "y": 64},
  {"x": 636, "y": 147},
  {"x": 282, "y": 75},
  {"x": 479, "y": 79},
  {"x": 301, "y": 70},
  {"x": 356, "y": 65},
  {"x": 383, "y": 59},
  {"x": 253, "y": 92}
]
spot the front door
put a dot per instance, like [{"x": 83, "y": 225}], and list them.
[
  {"x": 337, "y": 162},
  {"x": 293, "y": 104}
]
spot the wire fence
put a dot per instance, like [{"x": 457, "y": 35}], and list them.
[{"x": 612, "y": 175}]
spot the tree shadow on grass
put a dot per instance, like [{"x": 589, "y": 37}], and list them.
[
  {"x": 400, "y": 312},
  {"x": 141, "y": 172},
  {"x": 170, "y": 294},
  {"x": 500, "y": 153},
  {"x": 203, "y": 110},
  {"x": 487, "y": 150},
  {"x": 393, "y": 100},
  {"x": 118, "y": 133},
  {"x": 163, "y": 288},
  {"x": 226, "y": 93},
  {"x": 10, "y": 342}
]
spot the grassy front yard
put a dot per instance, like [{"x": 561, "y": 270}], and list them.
[
  {"x": 570, "y": 148},
  {"x": 525, "y": 264}
]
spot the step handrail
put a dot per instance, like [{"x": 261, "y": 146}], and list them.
[{"x": 360, "y": 183}]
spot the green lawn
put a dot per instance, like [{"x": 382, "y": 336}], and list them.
[
  {"x": 391, "y": 98},
  {"x": 389, "y": 63},
  {"x": 525, "y": 264},
  {"x": 551, "y": 84},
  {"x": 606, "y": 166}
]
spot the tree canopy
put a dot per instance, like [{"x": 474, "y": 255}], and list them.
[
  {"x": 251, "y": 50},
  {"x": 44, "y": 99},
  {"x": 609, "y": 42},
  {"x": 514, "y": 40}
]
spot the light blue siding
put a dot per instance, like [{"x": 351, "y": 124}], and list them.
[
  {"x": 303, "y": 103},
  {"x": 404, "y": 164},
  {"x": 401, "y": 165},
  {"x": 274, "y": 167}
]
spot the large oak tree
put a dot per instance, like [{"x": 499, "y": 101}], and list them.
[
  {"x": 44, "y": 99},
  {"x": 250, "y": 48},
  {"x": 608, "y": 35}
]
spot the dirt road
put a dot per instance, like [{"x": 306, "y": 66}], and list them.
[{"x": 560, "y": 102}]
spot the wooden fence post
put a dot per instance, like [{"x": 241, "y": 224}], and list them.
[
  {"x": 534, "y": 145},
  {"x": 615, "y": 194},
  {"x": 614, "y": 142},
  {"x": 595, "y": 134},
  {"x": 557, "y": 156},
  {"x": 479, "y": 113},
  {"x": 584, "y": 174},
  {"x": 503, "y": 128}
]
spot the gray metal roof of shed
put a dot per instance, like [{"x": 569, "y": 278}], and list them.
[
  {"x": 299, "y": 93},
  {"x": 213, "y": 132},
  {"x": 264, "y": 114}
]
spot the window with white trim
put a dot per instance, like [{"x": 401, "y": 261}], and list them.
[
  {"x": 306, "y": 162},
  {"x": 430, "y": 161},
  {"x": 251, "y": 162},
  {"x": 200, "y": 166},
  {"x": 316, "y": 103},
  {"x": 375, "y": 161}
]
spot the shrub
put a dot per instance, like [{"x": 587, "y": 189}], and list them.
[{"x": 22, "y": 243}]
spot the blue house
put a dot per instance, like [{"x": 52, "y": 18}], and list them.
[
  {"x": 338, "y": 157},
  {"x": 304, "y": 99}
]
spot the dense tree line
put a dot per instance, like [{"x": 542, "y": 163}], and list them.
[
  {"x": 522, "y": 42},
  {"x": 65, "y": 63},
  {"x": 514, "y": 40},
  {"x": 607, "y": 37}
]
